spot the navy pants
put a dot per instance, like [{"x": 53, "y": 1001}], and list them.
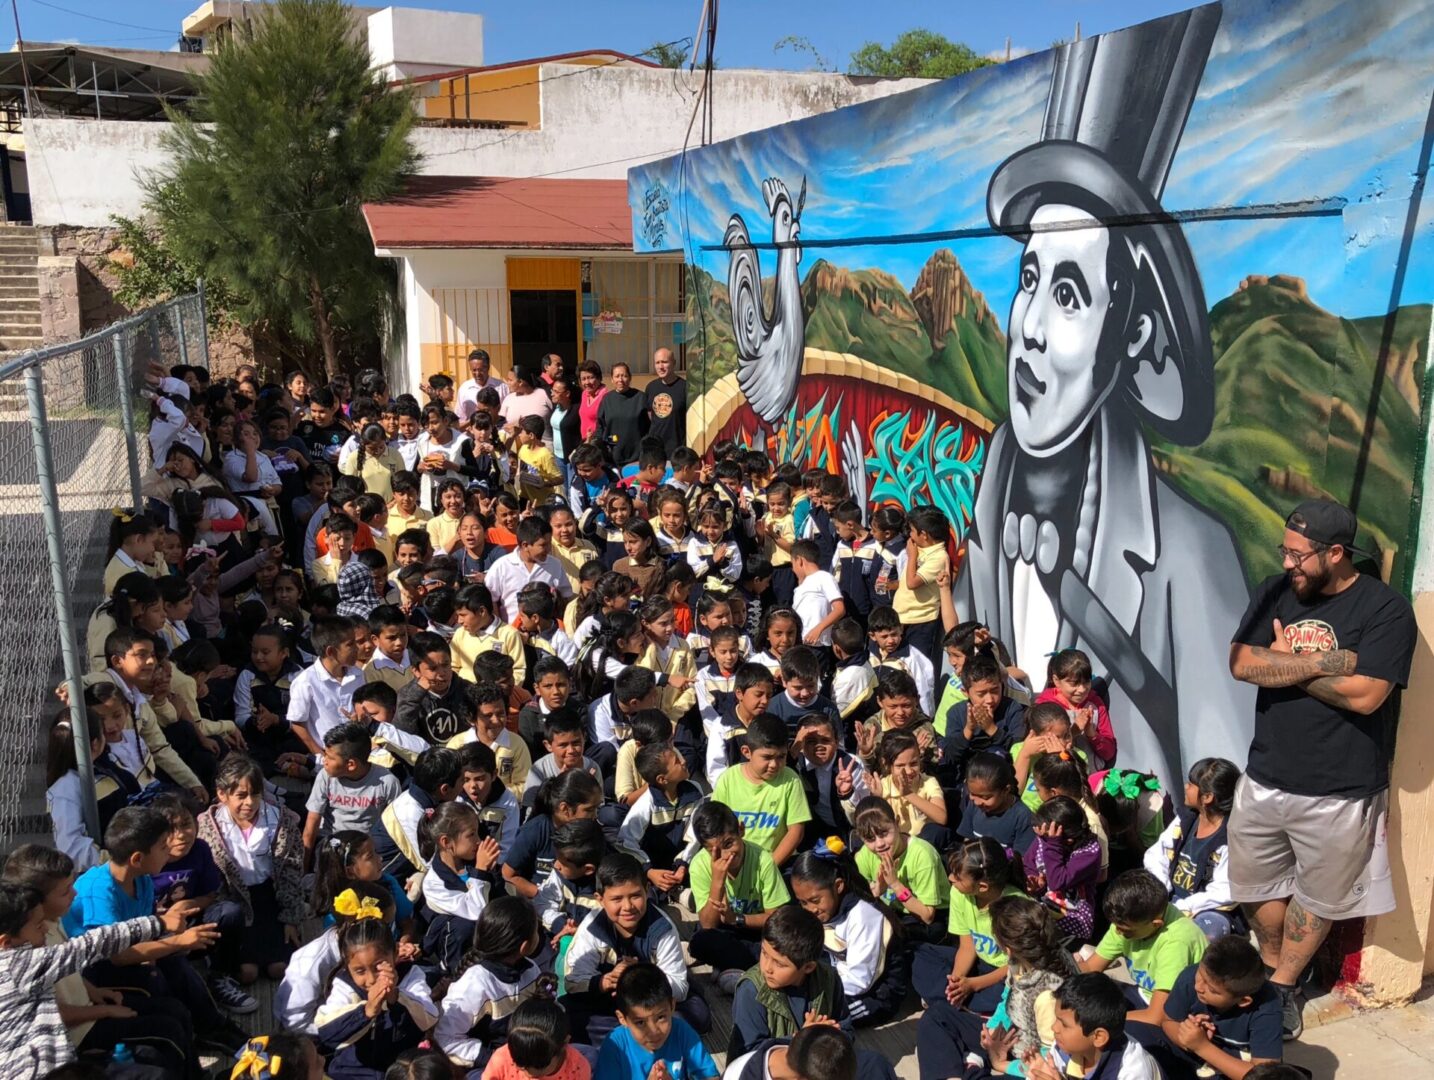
[
  {"x": 944, "y": 1036},
  {"x": 160, "y": 1034},
  {"x": 725, "y": 948},
  {"x": 930, "y": 967}
]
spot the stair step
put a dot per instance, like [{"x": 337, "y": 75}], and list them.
[{"x": 18, "y": 305}]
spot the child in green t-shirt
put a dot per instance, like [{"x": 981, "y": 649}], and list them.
[
  {"x": 904, "y": 871},
  {"x": 1154, "y": 938},
  {"x": 972, "y": 971},
  {"x": 767, "y": 797},
  {"x": 1048, "y": 731},
  {"x": 735, "y": 888}
]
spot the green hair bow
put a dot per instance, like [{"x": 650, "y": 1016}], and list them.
[{"x": 1130, "y": 784}]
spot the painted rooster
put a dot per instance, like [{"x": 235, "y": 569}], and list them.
[{"x": 769, "y": 347}]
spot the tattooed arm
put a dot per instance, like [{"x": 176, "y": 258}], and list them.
[
  {"x": 1357, "y": 693},
  {"x": 1274, "y": 668}
]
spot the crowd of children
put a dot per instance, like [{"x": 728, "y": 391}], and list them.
[{"x": 449, "y": 738}]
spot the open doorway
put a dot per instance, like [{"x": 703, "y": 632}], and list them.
[{"x": 544, "y": 321}]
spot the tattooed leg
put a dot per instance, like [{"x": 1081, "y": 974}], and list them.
[
  {"x": 1304, "y": 933},
  {"x": 1267, "y": 920}
]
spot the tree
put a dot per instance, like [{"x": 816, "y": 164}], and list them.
[
  {"x": 667, "y": 54},
  {"x": 291, "y": 134},
  {"x": 920, "y": 54}
]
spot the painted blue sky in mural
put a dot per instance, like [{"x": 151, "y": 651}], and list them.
[{"x": 1287, "y": 112}]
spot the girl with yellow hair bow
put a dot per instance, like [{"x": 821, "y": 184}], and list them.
[{"x": 287, "y": 1056}]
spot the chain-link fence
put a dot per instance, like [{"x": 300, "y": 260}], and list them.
[{"x": 73, "y": 446}]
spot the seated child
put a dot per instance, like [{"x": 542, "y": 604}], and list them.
[
  {"x": 435, "y": 706},
  {"x": 568, "y": 796},
  {"x": 1190, "y": 858},
  {"x": 323, "y": 691},
  {"x": 436, "y": 777},
  {"x": 375, "y": 704},
  {"x": 33, "y": 964},
  {"x": 651, "y": 1041},
  {"x": 972, "y": 974},
  {"x": 888, "y": 649},
  {"x": 854, "y": 682},
  {"x": 538, "y": 625},
  {"x": 489, "y": 712},
  {"x": 482, "y": 789},
  {"x": 834, "y": 780},
  {"x": 987, "y": 720},
  {"x": 1064, "y": 774},
  {"x": 480, "y": 630},
  {"x": 862, "y": 935},
  {"x": 648, "y": 727},
  {"x": 793, "y": 982},
  {"x": 1134, "y": 810},
  {"x": 713, "y": 612},
  {"x": 348, "y": 793},
  {"x": 992, "y": 808},
  {"x": 1068, "y": 677},
  {"x": 667, "y": 654},
  {"x": 1222, "y": 1015},
  {"x": 817, "y": 1052},
  {"x": 538, "y": 1046},
  {"x": 897, "y": 710},
  {"x": 1048, "y": 731},
  {"x": 66, "y": 794},
  {"x": 904, "y": 872},
  {"x": 1090, "y": 1036},
  {"x": 259, "y": 849},
  {"x": 376, "y": 1008},
  {"x": 801, "y": 690},
  {"x": 552, "y": 693},
  {"x": 262, "y": 694},
  {"x": 634, "y": 689},
  {"x": 390, "y": 664},
  {"x": 655, "y": 828},
  {"x": 735, "y": 888},
  {"x": 455, "y": 885},
  {"x": 726, "y": 726},
  {"x": 500, "y": 975},
  {"x": 564, "y": 740},
  {"x": 1064, "y": 864},
  {"x": 1151, "y": 936},
  {"x": 916, "y": 800},
  {"x": 347, "y": 859},
  {"x": 625, "y": 931},
  {"x": 569, "y": 892},
  {"x": 304, "y": 986},
  {"x": 766, "y": 796}
]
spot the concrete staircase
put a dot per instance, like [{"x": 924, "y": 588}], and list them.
[{"x": 19, "y": 289}]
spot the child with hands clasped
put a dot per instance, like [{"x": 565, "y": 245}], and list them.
[
  {"x": 1223, "y": 1015},
  {"x": 916, "y": 799},
  {"x": 376, "y": 1009},
  {"x": 306, "y": 981},
  {"x": 904, "y": 871},
  {"x": 789, "y": 988},
  {"x": 454, "y": 886},
  {"x": 1068, "y": 679},
  {"x": 499, "y": 975}
]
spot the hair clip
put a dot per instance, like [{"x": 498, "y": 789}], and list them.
[
  {"x": 256, "y": 1061},
  {"x": 1065, "y": 755},
  {"x": 348, "y": 904},
  {"x": 829, "y": 848},
  {"x": 428, "y": 812},
  {"x": 124, "y": 515},
  {"x": 1128, "y": 784}
]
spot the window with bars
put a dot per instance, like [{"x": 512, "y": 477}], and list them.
[{"x": 631, "y": 308}]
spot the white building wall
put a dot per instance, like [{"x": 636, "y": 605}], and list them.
[
  {"x": 597, "y": 123},
  {"x": 405, "y": 42}
]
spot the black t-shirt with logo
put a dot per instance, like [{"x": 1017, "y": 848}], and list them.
[
  {"x": 1302, "y": 745},
  {"x": 322, "y": 442},
  {"x": 667, "y": 402}
]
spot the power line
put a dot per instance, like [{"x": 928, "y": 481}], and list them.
[{"x": 98, "y": 18}]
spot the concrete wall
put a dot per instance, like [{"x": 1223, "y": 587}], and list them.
[
  {"x": 594, "y": 124},
  {"x": 405, "y": 42}
]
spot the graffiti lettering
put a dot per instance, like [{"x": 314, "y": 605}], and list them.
[
  {"x": 654, "y": 215},
  {"x": 937, "y": 465}
]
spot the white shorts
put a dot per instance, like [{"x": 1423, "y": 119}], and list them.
[{"x": 1330, "y": 854}]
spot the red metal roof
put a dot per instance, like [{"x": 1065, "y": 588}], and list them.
[{"x": 503, "y": 212}]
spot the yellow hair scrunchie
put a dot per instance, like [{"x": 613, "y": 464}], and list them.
[
  {"x": 256, "y": 1062},
  {"x": 348, "y": 904},
  {"x": 124, "y": 515}
]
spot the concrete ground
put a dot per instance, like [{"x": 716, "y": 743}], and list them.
[{"x": 1390, "y": 1044}]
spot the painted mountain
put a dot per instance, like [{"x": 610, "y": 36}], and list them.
[{"x": 1268, "y": 451}]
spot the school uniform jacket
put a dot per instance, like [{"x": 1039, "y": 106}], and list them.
[
  {"x": 676, "y": 659},
  {"x": 914, "y": 664},
  {"x": 145, "y": 724},
  {"x": 499, "y": 816},
  {"x": 301, "y": 991},
  {"x": 511, "y": 753},
  {"x": 1123, "y": 1059},
  {"x": 478, "y": 1007},
  {"x": 1210, "y": 890},
  {"x": 856, "y": 942},
  {"x": 253, "y": 689},
  {"x": 597, "y": 947},
  {"x": 883, "y": 578},
  {"x": 854, "y": 689},
  {"x": 713, "y": 574},
  {"x": 714, "y": 691},
  {"x": 839, "y": 810},
  {"x": 446, "y": 893},
  {"x": 656, "y": 829},
  {"x": 361, "y": 1048},
  {"x": 593, "y": 525},
  {"x": 561, "y": 899},
  {"x": 65, "y": 799},
  {"x": 399, "y": 821},
  {"x": 851, "y": 566},
  {"x": 725, "y": 737}
]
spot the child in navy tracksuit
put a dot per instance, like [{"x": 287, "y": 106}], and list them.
[
  {"x": 655, "y": 828},
  {"x": 888, "y": 529},
  {"x": 376, "y": 1008},
  {"x": 455, "y": 886}
]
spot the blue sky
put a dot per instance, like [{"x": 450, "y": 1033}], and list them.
[
  {"x": 1300, "y": 100},
  {"x": 746, "y": 34}
]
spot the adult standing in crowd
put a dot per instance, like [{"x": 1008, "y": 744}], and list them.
[
  {"x": 667, "y": 402},
  {"x": 565, "y": 422},
  {"x": 480, "y": 375},
  {"x": 593, "y": 391},
  {"x": 525, "y": 398},
  {"x": 622, "y": 418},
  {"x": 552, "y": 368},
  {"x": 1328, "y": 648}
]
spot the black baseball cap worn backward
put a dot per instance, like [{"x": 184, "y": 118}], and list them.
[{"x": 1323, "y": 521}]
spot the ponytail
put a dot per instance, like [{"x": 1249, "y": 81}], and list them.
[
  {"x": 573, "y": 787},
  {"x": 125, "y": 524},
  {"x": 446, "y": 822},
  {"x": 829, "y": 863}
]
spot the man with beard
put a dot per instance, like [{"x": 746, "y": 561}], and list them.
[{"x": 1328, "y": 648}]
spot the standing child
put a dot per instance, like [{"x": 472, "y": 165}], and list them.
[
  {"x": 377, "y": 1008},
  {"x": 891, "y": 649},
  {"x": 851, "y": 564},
  {"x": 667, "y": 654},
  {"x": 1068, "y": 677},
  {"x": 888, "y": 529},
  {"x": 916, "y": 600},
  {"x": 766, "y": 796},
  {"x": 259, "y": 849},
  {"x": 854, "y": 680},
  {"x": 863, "y": 938},
  {"x": 405, "y": 511},
  {"x": 778, "y": 531},
  {"x": 904, "y": 871},
  {"x": 539, "y": 477},
  {"x": 498, "y": 977},
  {"x": 449, "y": 509},
  {"x": 1191, "y": 858},
  {"x": 455, "y": 895},
  {"x": 1065, "y": 865},
  {"x": 670, "y": 523},
  {"x": 817, "y": 598}
]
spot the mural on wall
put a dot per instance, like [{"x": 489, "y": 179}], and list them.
[{"x": 1118, "y": 457}]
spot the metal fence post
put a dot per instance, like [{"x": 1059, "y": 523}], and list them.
[
  {"x": 203, "y": 325},
  {"x": 178, "y": 312},
  {"x": 122, "y": 378},
  {"x": 54, "y": 542}
]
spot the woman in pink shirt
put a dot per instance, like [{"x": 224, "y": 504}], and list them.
[{"x": 590, "y": 379}]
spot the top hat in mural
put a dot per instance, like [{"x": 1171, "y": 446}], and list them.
[{"x": 1117, "y": 107}]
